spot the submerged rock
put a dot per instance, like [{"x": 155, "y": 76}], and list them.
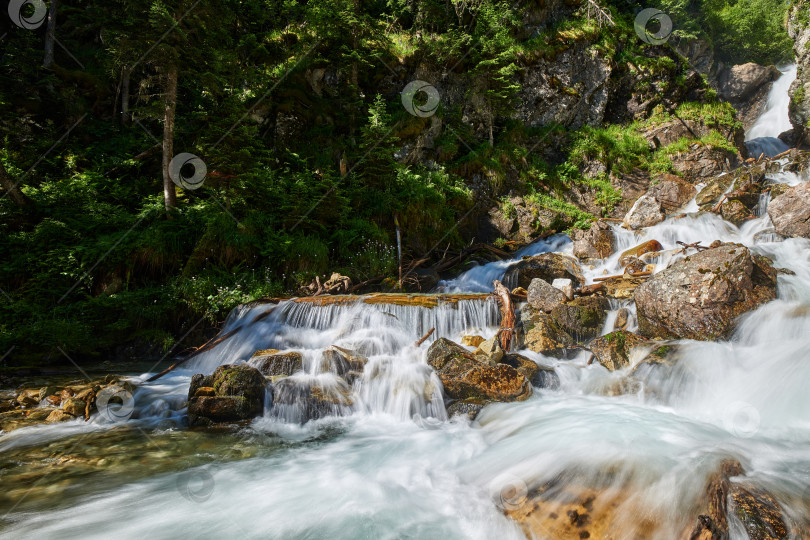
[
  {"x": 700, "y": 296},
  {"x": 548, "y": 267},
  {"x": 238, "y": 395},
  {"x": 613, "y": 350},
  {"x": 465, "y": 377},
  {"x": 301, "y": 401},
  {"x": 790, "y": 212}
]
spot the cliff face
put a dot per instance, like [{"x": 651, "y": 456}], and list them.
[{"x": 799, "y": 30}]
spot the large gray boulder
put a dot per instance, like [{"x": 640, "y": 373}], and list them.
[
  {"x": 700, "y": 296},
  {"x": 790, "y": 212}
]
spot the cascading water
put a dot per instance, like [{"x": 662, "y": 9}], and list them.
[
  {"x": 395, "y": 467},
  {"x": 762, "y": 137}
]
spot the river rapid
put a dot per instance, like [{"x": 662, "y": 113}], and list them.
[{"x": 394, "y": 466}]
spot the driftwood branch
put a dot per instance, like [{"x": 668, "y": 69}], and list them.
[
  {"x": 507, "y": 329},
  {"x": 423, "y": 338},
  {"x": 210, "y": 344},
  {"x": 628, "y": 275}
]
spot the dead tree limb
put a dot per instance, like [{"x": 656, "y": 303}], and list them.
[
  {"x": 423, "y": 338},
  {"x": 507, "y": 329}
]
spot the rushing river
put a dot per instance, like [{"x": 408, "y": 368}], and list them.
[{"x": 395, "y": 467}]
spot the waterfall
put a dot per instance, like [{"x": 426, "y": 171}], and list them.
[{"x": 762, "y": 137}]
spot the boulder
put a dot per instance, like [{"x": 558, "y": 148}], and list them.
[
  {"x": 612, "y": 350},
  {"x": 548, "y": 267},
  {"x": 713, "y": 190},
  {"x": 543, "y": 296},
  {"x": 582, "y": 317},
  {"x": 700, "y": 296},
  {"x": 646, "y": 212},
  {"x": 734, "y": 211},
  {"x": 525, "y": 366},
  {"x": 238, "y": 395},
  {"x": 790, "y": 212},
  {"x": 672, "y": 192},
  {"x": 597, "y": 242},
  {"x": 472, "y": 341},
  {"x": 543, "y": 335},
  {"x": 341, "y": 361},
  {"x": 278, "y": 363},
  {"x": 465, "y": 377},
  {"x": 564, "y": 285}
]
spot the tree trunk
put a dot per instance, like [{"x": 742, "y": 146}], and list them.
[
  {"x": 125, "y": 96},
  {"x": 50, "y": 34},
  {"x": 13, "y": 190},
  {"x": 170, "y": 101}
]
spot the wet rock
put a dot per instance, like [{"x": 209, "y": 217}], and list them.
[
  {"x": 700, "y": 296},
  {"x": 59, "y": 415},
  {"x": 735, "y": 212},
  {"x": 465, "y": 377},
  {"x": 612, "y": 350},
  {"x": 28, "y": 398},
  {"x": 205, "y": 391},
  {"x": 646, "y": 212},
  {"x": 301, "y": 401},
  {"x": 790, "y": 212},
  {"x": 564, "y": 285},
  {"x": 543, "y": 335},
  {"x": 582, "y": 317},
  {"x": 239, "y": 395},
  {"x": 759, "y": 513},
  {"x": 768, "y": 235},
  {"x": 597, "y": 242},
  {"x": 548, "y": 267},
  {"x": 74, "y": 406},
  {"x": 543, "y": 296},
  {"x": 713, "y": 190},
  {"x": 525, "y": 366},
  {"x": 490, "y": 351},
  {"x": 466, "y": 407},
  {"x": 672, "y": 192},
  {"x": 341, "y": 361},
  {"x": 472, "y": 341},
  {"x": 622, "y": 319}
]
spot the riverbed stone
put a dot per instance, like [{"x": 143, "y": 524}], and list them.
[
  {"x": 278, "y": 363},
  {"x": 548, "y": 267},
  {"x": 701, "y": 296},
  {"x": 542, "y": 334},
  {"x": 613, "y": 350},
  {"x": 239, "y": 395},
  {"x": 646, "y": 212},
  {"x": 543, "y": 296},
  {"x": 74, "y": 406},
  {"x": 790, "y": 212},
  {"x": 300, "y": 401},
  {"x": 465, "y": 377}
]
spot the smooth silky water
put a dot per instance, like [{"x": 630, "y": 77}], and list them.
[{"x": 395, "y": 467}]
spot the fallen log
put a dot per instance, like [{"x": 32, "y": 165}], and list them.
[
  {"x": 210, "y": 344},
  {"x": 507, "y": 329},
  {"x": 421, "y": 340},
  {"x": 395, "y": 299}
]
